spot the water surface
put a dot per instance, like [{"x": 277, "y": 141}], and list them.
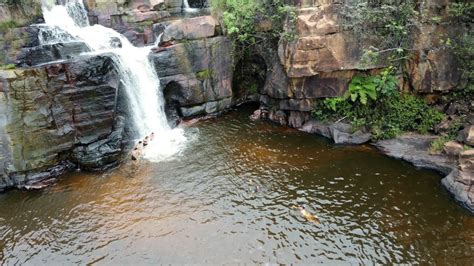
[{"x": 227, "y": 198}]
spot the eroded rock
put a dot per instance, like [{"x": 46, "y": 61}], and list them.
[
  {"x": 340, "y": 133},
  {"x": 453, "y": 148},
  {"x": 460, "y": 182},
  {"x": 191, "y": 29},
  {"x": 414, "y": 149}
]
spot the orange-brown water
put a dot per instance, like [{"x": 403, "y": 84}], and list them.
[{"x": 228, "y": 198}]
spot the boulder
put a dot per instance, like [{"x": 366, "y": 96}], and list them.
[
  {"x": 297, "y": 119},
  {"x": 191, "y": 29},
  {"x": 460, "y": 182},
  {"x": 469, "y": 136},
  {"x": 259, "y": 114},
  {"x": 317, "y": 127},
  {"x": 340, "y": 133},
  {"x": 278, "y": 117},
  {"x": 453, "y": 148}
]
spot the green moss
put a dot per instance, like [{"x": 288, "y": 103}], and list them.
[
  {"x": 6, "y": 25},
  {"x": 7, "y": 67},
  {"x": 205, "y": 74}
]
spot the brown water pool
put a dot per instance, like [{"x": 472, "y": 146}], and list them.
[{"x": 228, "y": 197}]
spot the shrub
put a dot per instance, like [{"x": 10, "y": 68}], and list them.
[{"x": 385, "y": 112}]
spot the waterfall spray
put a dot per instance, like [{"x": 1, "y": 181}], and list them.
[{"x": 69, "y": 22}]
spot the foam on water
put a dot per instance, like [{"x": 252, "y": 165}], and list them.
[{"x": 69, "y": 22}]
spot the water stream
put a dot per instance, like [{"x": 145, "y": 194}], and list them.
[{"x": 69, "y": 22}]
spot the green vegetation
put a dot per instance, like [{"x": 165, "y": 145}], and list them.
[
  {"x": 7, "y": 67},
  {"x": 451, "y": 134},
  {"x": 252, "y": 22},
  {"x": 462, "y": 10},
  {"x": 241, "y": 17},
  {"x": 438, "y": 144},
  {"x": 386, "y": 26},
  {"x": 374, "y": 102},
  {"x": 6, "y": 25},
  {"x": 205, "y": 74}
]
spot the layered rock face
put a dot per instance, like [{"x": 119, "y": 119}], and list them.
[
  {"x": 14, "y": 30},
  {"x": 58, "y": 116},
  {"x": 324, "y": 58},
  {"x": 196, "y": 72},
  {"x": 132, "y": 18},
  {"x": 60, "y": 109}
]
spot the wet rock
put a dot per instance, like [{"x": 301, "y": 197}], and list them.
[
  {"x": 49, "y": 53},
  {"x": 278, "y": 117},
  {"x": 453, "y": 148},
  {"x": 259, "y": 114},
  {"x": 159, "y": 28},
  {"x": 461, "y": 180},
  {"x": 196, "y": 73},
  {"x": 54, "y": 109},
  {"x": 317, "y": 127},
  {"x": 340, "y": 133},
  {"x": 115, "y": 42},
  {"x": 297, "y": 119},
  {"x": 191, "y": 28},
  {"x": 101, "y": 154},
  {"x": 193, "y": 111},
  {"x": 414, "y": 149}
]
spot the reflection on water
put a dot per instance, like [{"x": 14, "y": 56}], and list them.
[{"x": 228, "y": 197}]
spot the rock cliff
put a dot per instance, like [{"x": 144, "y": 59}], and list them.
[{"x": 61, "y": 109}]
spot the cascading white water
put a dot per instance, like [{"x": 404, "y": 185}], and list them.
[
  {"x": 186, "y": 4},
  {"x": 69, "y": 22},
  {"x": 188, "y": 8}
]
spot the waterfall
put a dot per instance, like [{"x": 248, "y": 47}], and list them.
[
  {"x": 69, "y": 22},
  {"x": 186, "y": 4},
  {"x": 188, "y": 8}
]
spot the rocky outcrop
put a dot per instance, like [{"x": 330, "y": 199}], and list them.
[
  {"x": 196, "y": 75},
  {"x": 59, "y": 116},
  {"x": 325, "y": 56},
  {"x": 132, "y": 18},
  {"x": 460, "y": 182},
  {"x": 191, "y": 29},
  {"x": 340, "y": 133},
  {"x": 414, "y": 148}
]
